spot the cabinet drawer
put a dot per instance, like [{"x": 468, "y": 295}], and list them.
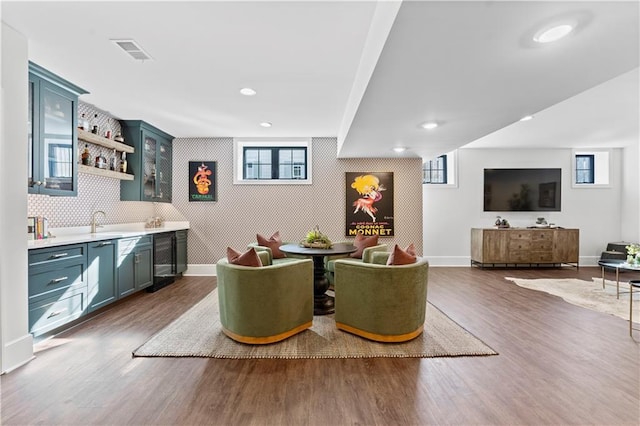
[
  {"x": 48, "y": 257},
  {"x": 519, "y": 235},
  {"x": 56, "y": 279},
  {"x": 542, "y": 236},
  {"x": 515, "y": 245},
  {"x": 127, "y": 245},
  {"x": 541, "y": 257},
  {"x": 520, "y": 257},
  {"x": 56, "y": 311},
  {"x": 542, "y": 245}
]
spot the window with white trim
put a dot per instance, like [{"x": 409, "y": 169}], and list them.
[
  {"x": 591, "y": 168},
  {"x": 435, "y": 171},
  {"x": 440, "y": 170},
  {"x": 272, "y": 161}
]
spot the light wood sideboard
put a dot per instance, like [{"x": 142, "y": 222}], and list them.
[{"x": 524, "y": 246}]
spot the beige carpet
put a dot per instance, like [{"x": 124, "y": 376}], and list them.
[
  {"x": 197, "y": 334},
  {"x": 588, "y": 294}
]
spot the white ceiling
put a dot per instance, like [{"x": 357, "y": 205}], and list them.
[{"x": 367, "y": 72}]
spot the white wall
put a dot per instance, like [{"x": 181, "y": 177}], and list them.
[
  {"x": 16, "y": 342},
  {"x": 630, "y": 203},
  {"x": 450, "y": 212}
]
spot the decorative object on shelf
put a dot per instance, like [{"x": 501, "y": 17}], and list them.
[
  {"x": 203, "y": 181},
  {"x": 101, "y": 162},
  {"x": 112, "y": 161},
  {"x": 94, "y": 125},
  {"x": 123, "y": 163},
  {"x": 83, "y": 123},
  {"x": 118, "y": 138},
  {"x": 541, "y": 223},
  {"x": 502, "y": 223},
  {"x": 316, "y": 239},
  {"x": 633, "y": 254},
  {"x": 86, "y": 155}
]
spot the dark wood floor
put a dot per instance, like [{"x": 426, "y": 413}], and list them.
[{"x": 559, "y": 364}]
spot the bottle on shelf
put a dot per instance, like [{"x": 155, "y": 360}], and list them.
[
  {"x": 83, "y": 123},
  {"x": 94, "y": 124},
  {"x": 123, "y": 163},
  {"x": 86, "y": 156},
  {"x": 112, "y": 161}
]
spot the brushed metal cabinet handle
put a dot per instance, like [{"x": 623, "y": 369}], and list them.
[
  {"x": 57, "y": 280},
  {"x": 58, "y": 255},
  {"x": 56, "y": 313}
]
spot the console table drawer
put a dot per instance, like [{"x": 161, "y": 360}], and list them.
[
  {"x": 519, "y": 257},
  {"x": 519, "y": 245},
  {"x": 541, "y": 257}
]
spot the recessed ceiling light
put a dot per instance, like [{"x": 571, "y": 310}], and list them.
[
  {"x": 551, "y": 34},
  {"x": 266, "y": 124},
  {"x": 429, "y": 125},
  {"x": 247, "y": 91},
  {"x": 526, "y": 118},
  {"x": 399, "y": 149}
]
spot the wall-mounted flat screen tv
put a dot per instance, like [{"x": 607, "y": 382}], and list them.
[{"x": 527, "y": 190}]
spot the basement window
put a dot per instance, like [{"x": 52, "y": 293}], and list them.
[
  {"x": 440, "y": 170},
  {"x": 272, "y": 161},
  {"x": 591, "y": 168}
]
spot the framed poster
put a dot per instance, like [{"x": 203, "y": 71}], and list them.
[
  {"x": 203, "y": 181},
  {"x": 369, "y": 198}
]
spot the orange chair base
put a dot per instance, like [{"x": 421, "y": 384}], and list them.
[
  {"x": 385, "y": 338},
  {"x": 263, "y": 340}
]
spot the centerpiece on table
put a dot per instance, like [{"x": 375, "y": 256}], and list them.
[
  {"x": 316, "y": 239},
  {"x": 633, "y": 254}
]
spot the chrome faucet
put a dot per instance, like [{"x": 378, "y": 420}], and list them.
[{"x": 94, "y": 225}]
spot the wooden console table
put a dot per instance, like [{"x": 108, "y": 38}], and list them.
[{"x": 524, "y": 246}]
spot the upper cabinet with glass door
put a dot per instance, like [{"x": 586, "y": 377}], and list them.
[
  {"x": 53, "y": 144},
  {"x": 150, "y": 163}
]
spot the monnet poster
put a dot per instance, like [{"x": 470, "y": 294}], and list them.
[
  {"x": 369, "y": 203},
  {"x": 202, "y": 181}
]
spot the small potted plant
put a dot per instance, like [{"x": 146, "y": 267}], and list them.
[{"x": 633, "y": 254}]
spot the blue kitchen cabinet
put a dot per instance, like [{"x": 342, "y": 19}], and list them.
[
  {"x": 181, "y": 251},
  {"x": 52, "y": 133},
  {"x": 150, "y": 163},
  {"x": 135, "y": 264},
  {"x": 57, "y": 286},
  {"x": 101, "y": 274}
]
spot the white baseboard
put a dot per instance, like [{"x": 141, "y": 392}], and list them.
[
  {"x": 448, "y": 260},
  {"x": 466, "y": 260},
  {"x": 17, "y": 353},
  {"x": 199, "y": 270}
]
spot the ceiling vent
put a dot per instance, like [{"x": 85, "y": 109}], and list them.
[{"x": 133, "y": 49}]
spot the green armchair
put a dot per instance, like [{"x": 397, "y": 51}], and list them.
[
  {"x": 367, "y": 257},
  {"x": 380, "y": 302},
  {"x": 266, "y": 304},
  {"x": 268, "y": 250}
]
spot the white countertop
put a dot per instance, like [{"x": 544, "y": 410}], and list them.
[{"x": 82, "y": 234}]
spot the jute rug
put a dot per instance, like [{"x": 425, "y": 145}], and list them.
[
  {"x": 197, "y": 333},
  {"x": 587, "y": 294}
]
